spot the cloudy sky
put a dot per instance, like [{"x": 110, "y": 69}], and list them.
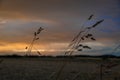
[{"x": 61, "y": 20}]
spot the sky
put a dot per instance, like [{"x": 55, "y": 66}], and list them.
[{"x": 61, "y": 20}]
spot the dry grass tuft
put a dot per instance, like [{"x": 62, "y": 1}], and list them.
[{"x": 1, "y": 60}]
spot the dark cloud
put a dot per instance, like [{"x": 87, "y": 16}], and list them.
[{"x": 55, "y": 9}]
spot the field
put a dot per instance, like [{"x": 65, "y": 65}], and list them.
[{"x": 47, "y": 68}]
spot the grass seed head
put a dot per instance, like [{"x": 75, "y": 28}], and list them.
[
  {"x": 90, "y": 17},
  {"x": 97, "y": 23}
]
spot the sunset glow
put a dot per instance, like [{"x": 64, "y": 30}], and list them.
[{"x": 61, "y": 20}]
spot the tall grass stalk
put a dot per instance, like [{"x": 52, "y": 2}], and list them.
[
  {"x": 77, "y": 40},
  {"x": 35, "y": 38}
]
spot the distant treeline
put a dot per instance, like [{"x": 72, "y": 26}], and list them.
[
  {"x": 59, "y": 56},
  {"x": 90, "y": 56}
]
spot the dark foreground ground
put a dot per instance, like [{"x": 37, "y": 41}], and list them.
[{"x": 47, "y": 68}]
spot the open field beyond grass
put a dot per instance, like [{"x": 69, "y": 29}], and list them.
[{"x": 46, "y": 68}]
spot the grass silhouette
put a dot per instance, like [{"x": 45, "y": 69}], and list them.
[
  {"x": 77, "y": 45},
  {"x": 35, "y": 38}
]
